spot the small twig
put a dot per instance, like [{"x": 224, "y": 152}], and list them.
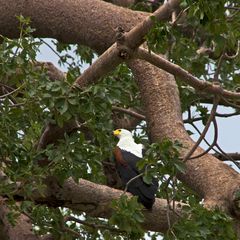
[
  {"x": 11, "y": 98},
  {"x": 168, "y": 201},
  {"x": 17, "y": 105},
  {"x": 175, "y": 20},
  {"x": 130, "y": 181},
  {"x": 169, "y": 208},
  {"x": 213, "y": 143},
  {"x": 129, "y": 112},
  {"x": 226, "y": 115},
  {"x": 174, "y": 193},
  {"x": 10, "y": 93},
  {"x": 174, "y": 16},
  {"x": 54, "y": 51},
  {"x": 220, "y": 152},
  {"x": 6, "y": 86},
  {"x": 188, "y": 120},
  {"x": 217, "y": 72},
  {"x": 229, "y": 157},
  {"x": 199, "y": 132},
  {"x": 231, "y": 104},
  {"x": 71, "y": 231},
  {"x": 92, "y": 225},
  {"x": 233, "y": 8},
  {"x": 202, "y": 136},
  {"x": 191, "y": 119}
]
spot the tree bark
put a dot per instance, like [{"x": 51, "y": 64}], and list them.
[
  {"x": 63, "y": 20},
  {"x": 95, "y": 200},
  {"x": 22, "y": 230}
]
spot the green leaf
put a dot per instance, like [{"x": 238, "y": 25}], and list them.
[{"x": 64, "y": 107}]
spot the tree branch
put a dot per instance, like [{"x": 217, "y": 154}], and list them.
[
  {"x": 202, "y": 136},
  {"x": 95, "y": 200},
  {"x": 212, "y": 144},
  {"x": 129, "y": 112},
  {"x": 92, "y": 225},
  {"x": 123, "y": 49},
  {"x": 185, "y": 76},
  {"x": 228, "y": 156}
]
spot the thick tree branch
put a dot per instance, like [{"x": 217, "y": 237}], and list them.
[
  {"x": 123, "y": 49},
  {"x": 164, "y": 119},
  {"x": 185, "y": 76},
  {"x": 95, "y": 200},
  {"x": 48, "y": 20}
]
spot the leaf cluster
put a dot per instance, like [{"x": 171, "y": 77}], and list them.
[
  {"x": 200, "y": 223},
  {"x": 128, "y": 216},
  {"x": 161, "y": 158}
]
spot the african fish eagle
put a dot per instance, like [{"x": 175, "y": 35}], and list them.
[{"x": 127, "y": 153}]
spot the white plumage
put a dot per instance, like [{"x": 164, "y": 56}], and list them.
[{"x": 127, "y": 143}]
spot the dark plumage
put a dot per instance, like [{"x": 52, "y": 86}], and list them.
[{"x": 126, "y": 163}]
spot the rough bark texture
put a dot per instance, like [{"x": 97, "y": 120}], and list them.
[
  {"x": 95, "y": 200},
  {"x": 22, "y": 230},
  {"x": 123, "y": 3},
  {"x": 161, "y": 99},
  {"x": 64, "y": 20},
  {"x": 92, "y": 22}
]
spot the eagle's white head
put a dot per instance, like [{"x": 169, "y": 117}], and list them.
[
  {"x": 122, "y": 133},
  {"x": 127, "y": 143}
]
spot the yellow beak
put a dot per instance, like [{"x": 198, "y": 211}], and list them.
[{"x": 116, "y": 132}]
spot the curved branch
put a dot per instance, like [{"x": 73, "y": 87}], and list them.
[
  {"x": 202, "y": 136},
  {"x": 212, "y": 144},
  {"x": 12, "y": 92}
]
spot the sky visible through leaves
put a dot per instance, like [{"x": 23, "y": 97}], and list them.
[{"x": 229, "y": 129}]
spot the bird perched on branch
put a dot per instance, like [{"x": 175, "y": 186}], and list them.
[{"x": 127, "y": 153}]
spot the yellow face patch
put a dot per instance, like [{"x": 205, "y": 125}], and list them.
[{"x": 117, "y": 132}]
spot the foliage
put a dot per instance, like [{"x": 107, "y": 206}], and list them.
[
  {"x": 201, "y": 223},
  {"x": 161, "y": 159},
  {"x": 38, "y": 100},
  {"x": 128, "y": 216},
  {"x": 202, "y": 24},
  {"x": 43, "y": 100}
]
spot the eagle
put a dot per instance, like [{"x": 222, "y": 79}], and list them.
[{"x": 126, "y": 154}]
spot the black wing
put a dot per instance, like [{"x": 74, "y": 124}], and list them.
[{"x": 126, "y": 163}]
